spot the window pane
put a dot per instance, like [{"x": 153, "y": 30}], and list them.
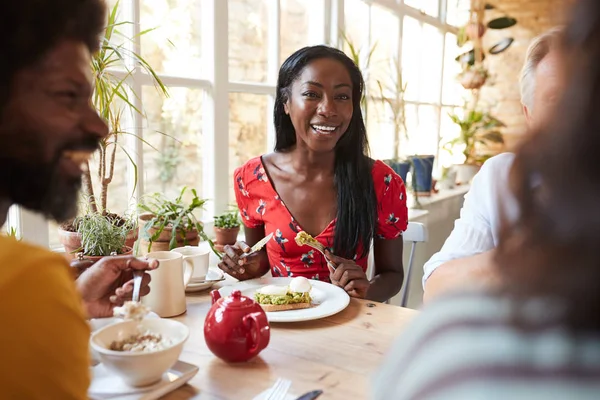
[
  {"x": 385, "y": 31},
  {"x": 355, "y": 31},
  {"x": 458, "y": 12},
  {"x": 423, "y": 126},
  {"x": 174, "y": 127},
  {"x": 306, "y": 16},
  {"x": 248, "y": 119},
  {"x": 248, "y": 40},
  {"x": 411, "y": 56},
  {"x": 448, "y": 131},
  {"x": 173, "y": 46},
  {"x": 427, "y": 6},
  {"x": 452, "y": 91},
  {"x": 380, "y": 130},
  {"x": 431, "y": 64}
]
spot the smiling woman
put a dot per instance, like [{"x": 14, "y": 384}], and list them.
[{"x": 321, "y": 180}]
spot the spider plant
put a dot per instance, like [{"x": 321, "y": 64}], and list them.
[
  {"x": 113, "y": 97},
  {"x": 100, "y": 236},
  {"x": 363, "y": 62}
]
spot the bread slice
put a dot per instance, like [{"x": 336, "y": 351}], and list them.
[{"x": 285, "y": 307}]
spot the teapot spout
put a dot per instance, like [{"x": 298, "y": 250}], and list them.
[{"x": 215, "y": 296}]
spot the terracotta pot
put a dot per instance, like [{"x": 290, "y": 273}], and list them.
[
  {"x": 162, "y": 242},
  {"x": 80, "y": 265},
  {"x": 472, "y": 79},
  {"x": 71, "y": 242},
  {"x": 475, "y": 30},
  {"x": 224, "y": 236}
]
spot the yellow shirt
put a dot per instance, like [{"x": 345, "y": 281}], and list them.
[{"x": 43, "y": 331}]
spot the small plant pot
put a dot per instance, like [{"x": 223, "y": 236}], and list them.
[
  {"x": 162, "y": 242},
  {"x": 422, "y": 175},
  {"x": 80, "y": 265},
  {"x": 401, "y": 168},
  {"x": 465, "y": 173},
  {"x": 475, "y": 30},
  {"x": 71, "y": 241},
  {"x": 225, "y": 236}
]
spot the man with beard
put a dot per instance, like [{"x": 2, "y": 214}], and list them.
[{"x": 48, "y": 129}]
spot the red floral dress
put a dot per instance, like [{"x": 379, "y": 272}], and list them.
[{"x": 260, "y": 204}]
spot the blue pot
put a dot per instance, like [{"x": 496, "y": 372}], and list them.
[
  {"x": 422, "y": 170},
  {"x": 401, "y": 168}
]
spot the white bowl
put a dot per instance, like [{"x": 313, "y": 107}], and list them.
[{"x": 139, "y": 368}]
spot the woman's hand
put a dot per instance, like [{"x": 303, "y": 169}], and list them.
[
  {"x": 349, "y": 276},
  {"x": 240, "y": 268}
]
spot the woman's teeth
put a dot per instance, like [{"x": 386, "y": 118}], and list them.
[{"x": 324, "y": 130}]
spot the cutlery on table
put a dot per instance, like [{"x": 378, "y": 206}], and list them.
[
  {"x": 258, "y": 246},
  {"x": 137, "y": 284},
  {"x": 279, "y": 389},
  {"x": 310, "y": 395}
]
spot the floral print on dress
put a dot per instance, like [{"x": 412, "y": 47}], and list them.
[
  {"x": 262, "y": 205},
  {"x": 281, "y": 241},
  {"x": 308, "y": 259},
  {"x": 387, "y": 180},
  {"x": 260, "y": 173},
  {"x": 241, "y": 187}
]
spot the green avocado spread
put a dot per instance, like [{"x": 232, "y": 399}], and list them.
[{"x": 289, "y": 298}]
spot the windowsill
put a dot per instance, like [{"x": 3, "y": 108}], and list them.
[{"x": 436, "y": 197}]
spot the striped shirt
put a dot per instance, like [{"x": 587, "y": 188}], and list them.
[{"x": 467, "y": 347}]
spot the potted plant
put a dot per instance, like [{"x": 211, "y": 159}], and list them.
[
  {"x": 101, "y": 237},
  {"x": 112, "y": 98},
  {"x": 477, "y": 128},
  {"x": 166, "y": 224},
  {"x": 227, "y": 228}
]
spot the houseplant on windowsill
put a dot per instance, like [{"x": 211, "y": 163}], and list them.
[
  {"x": 477, "y": 128},
  {"x": 112, "y": 98},
  {"x": 167, "y": 224},
  {"x": 101, "y": 237},
  {"x": 227, "y": 228}
]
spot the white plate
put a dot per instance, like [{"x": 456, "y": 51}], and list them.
[
  {"x": 109, "y": 386},
  {"x": 214, "y": 276},
  {"x": 327, "y": 299}
]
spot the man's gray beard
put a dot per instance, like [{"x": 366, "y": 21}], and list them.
[{"x": 39, "y": 187}]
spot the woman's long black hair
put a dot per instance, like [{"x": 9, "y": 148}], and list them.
[{"x": 356, "y": 217}]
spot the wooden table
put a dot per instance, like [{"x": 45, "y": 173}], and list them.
[{"x": 337, "y": 354}]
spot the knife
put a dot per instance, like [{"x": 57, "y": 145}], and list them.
[
  {"x": 310, "y": 395},
  {"x": 258, "y": 246}
]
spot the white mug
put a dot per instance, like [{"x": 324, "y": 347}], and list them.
[
  {"x": 167, "y": 287},
  {"x": 199, "y": 257}
]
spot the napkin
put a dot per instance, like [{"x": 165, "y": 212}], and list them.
[{"x": 265, "y": 395}]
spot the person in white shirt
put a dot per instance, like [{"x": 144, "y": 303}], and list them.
[{"x": 466, "y": 257}]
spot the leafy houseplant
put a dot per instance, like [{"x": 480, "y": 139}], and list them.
[
  {"x": 112, "y": 98},
  {"x": 101, "y": 236},
  {"x": 477, "y": 128},
  {"x": 227, "y": 227},
  {"x": 166, "y": 224}
]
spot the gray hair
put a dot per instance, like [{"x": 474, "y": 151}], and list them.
[{"x": 539, "y": 48}]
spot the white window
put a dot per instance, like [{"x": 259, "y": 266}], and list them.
[{"x": 219, "y": 60}]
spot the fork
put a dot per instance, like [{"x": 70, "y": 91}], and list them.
[{"x": 280, "y": 389}]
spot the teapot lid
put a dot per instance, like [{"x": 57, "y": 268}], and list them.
[{"x": 236, "y": 300}]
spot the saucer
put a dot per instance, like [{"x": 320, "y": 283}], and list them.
[
  {"x": 213, "y": 276},
  {"x": 106, "y": 385}
]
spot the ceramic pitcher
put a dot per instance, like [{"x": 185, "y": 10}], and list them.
[{"x": 169, "y": 280}]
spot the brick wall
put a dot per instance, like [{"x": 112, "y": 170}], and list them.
[{"x": 501, "y": 93}]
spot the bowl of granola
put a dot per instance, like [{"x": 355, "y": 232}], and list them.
[{"x": 140, "y": 352}]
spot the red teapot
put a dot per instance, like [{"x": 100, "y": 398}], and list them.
[{"x": 236, "y": 327}]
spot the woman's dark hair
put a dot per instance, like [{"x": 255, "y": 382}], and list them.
[
  {"x": 357, "y": 204},
  {"x": 553, "y": 249},
  {"x": 30, "y": 28}
]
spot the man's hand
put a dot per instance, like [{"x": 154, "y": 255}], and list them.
[
  {"x": 349, "y": 276},
  {"x": 109, "y": 283}
]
